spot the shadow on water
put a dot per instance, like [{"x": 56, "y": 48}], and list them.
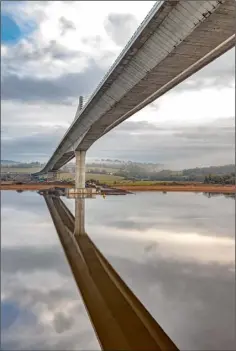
[{"x": 120, "y": 320}]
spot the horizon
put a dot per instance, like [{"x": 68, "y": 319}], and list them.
[{"x": 89, "y": 161}]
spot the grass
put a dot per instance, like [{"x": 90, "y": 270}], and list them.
[
  {"x": 138, "y": 182},
  {"x": 107, "y": 169},
  {"x": 102, "y": 178},
  {"x": 153, "y": 182}
]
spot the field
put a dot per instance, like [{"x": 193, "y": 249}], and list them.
[
  {"x": 103, "y": 178},
  {"x": 150, "y": 182},
  {"x": 142, "y": 185},
  {"x": 113, "y": 180},
  {"x": 19, "y": 170},
  {"x": 107, "y": 169}
]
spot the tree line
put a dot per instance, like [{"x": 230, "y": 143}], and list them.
[
  {"x": 220, "y": 179},
  {"x": 24, "y": 165}
]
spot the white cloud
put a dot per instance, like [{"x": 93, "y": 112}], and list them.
[
  {"x": 190, "y": 107},
  {"x": 69, "y": 49},
  {"x": 89, "y": 38}
]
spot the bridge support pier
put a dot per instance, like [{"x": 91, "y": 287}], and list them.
[
  {"x": 80, "y": 169},
  {"x": 80, "y": 190},
  {"x": 52, "y": 175},
  {"x": 79, "y": 216}
]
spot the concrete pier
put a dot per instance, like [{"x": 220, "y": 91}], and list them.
[
  {"x": 80, "y": 169},
  {"x": 79, "y": 216},
  {"x": 52, "y": 175},
  {"x": 80, "y": 189},
  {"x": 84, "y": 193}
]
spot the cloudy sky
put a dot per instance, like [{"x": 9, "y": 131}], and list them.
[{"x": 53, "y": 52}]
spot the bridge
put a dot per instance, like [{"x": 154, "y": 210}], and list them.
[
  {"x": 175, "y": 40},
  {"x": 120, "y": 320}
]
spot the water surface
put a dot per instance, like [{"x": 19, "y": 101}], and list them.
[{"x": 174, "y": 250}]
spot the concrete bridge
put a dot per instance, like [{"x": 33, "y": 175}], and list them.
[{"x": 176, "y": 39}]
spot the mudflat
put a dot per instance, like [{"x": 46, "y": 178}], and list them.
[{"x": 207, "y": 188}]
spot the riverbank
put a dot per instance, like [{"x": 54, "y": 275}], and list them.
[
  {"x": 207, "y": 188},
  {"x": 203, "y": 188},
  {"x": 33, "y": 186}
]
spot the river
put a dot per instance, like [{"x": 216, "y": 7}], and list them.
[{"x": 174, "y": 250}]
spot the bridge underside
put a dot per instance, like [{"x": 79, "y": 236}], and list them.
[
  {"x": 67, "y": 157},
  {"x": 177, "y": 39}
]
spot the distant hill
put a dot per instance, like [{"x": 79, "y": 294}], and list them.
[
  {"x": 136, "y": 170},
  {"x": 143, "y": 171},
  {"x": 17, "y": 165},
  {"x": 219, "y": 170},
  {"x": 9, "y": 162}
]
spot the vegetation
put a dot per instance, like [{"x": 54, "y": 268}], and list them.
[
  {"x": 102, "y": 178},
  {"x": 223, "y": 179},
  {"x": 15, "y": 165},
  {"x": 137, "y": 172},
  {"x": 27, "y": 170},
  {"x": 121, "y": 172}
]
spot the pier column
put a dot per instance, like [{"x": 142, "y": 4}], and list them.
[
  {"x": 79, "y": 216},
  {"x": 52, "y": 175},
  {"x": 80, "y": 169}
]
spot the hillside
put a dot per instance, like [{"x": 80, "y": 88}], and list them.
[
  {"x": 139, "y": 171},
  {"x": 9, "y": 162},
  {"x": 132, "y": 171},
  {"x": 219, "y": 170}
]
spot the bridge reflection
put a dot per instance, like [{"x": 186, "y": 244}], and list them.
[{"x": 119, "y": 319}]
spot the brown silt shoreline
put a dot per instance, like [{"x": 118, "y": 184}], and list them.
[
  {"x": 207, "y": 188},
  {"x": 229, "y": 189}
]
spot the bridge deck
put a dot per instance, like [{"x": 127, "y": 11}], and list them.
[{"x": 175, "y": 40}]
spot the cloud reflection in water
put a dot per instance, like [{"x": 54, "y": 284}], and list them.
[{"x": 176, "y": 251}]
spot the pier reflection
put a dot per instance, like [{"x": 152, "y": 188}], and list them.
[{"x": 120, "y": 320}]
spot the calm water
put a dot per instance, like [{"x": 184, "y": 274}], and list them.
[{"x": 175, "y": 251}]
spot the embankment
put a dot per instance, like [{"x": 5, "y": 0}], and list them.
[
  {"x": 33, "y": 186},
  {"x": 206, "y": 188},
  {"x": 226, "y": 189}
]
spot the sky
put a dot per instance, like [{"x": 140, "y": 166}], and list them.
[{"x": 53, "y": 52}]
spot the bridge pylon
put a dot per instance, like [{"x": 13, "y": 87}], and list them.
[
  {"x": 80, "y": 190},
  {"x": 80, "y": 169},
  {"x": 52, "y": 176}
]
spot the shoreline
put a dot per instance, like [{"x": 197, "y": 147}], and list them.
[
  {"x": 33, "y": 186},
  {"x": 229, "y": 189},
  {"x": 205, "y": 188}
]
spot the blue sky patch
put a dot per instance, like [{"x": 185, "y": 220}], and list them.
[
  {"x": 9, "y": 313},
  {"x": 11, "y": 33}
]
